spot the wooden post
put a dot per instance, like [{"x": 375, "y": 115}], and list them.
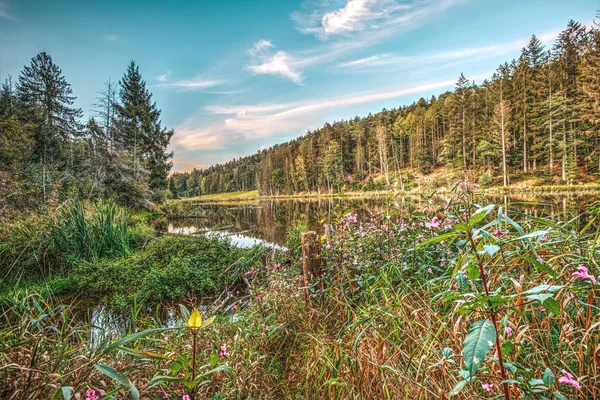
[{"x": 310, "y": 261}]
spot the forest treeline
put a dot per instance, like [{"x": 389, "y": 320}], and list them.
[
  {"x": 47, "y": 153},
  {"x": 539, "y": 115}
]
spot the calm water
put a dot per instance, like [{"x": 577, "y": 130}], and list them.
[{"x": 267, "y": 221}]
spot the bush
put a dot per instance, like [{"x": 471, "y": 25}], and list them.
[
  {"x": 171, "y": 267},
  {"x": 485, "y": 180}
]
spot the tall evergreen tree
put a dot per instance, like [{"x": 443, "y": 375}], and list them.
[
  {"x": 47, "y": 100},
  {"x": 139, "y": 129}
]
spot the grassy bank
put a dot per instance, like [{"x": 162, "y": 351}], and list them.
[{"x": 253, "y": 196}]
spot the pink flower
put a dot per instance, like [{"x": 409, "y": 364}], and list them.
[
  {"x": 91, "y": 395},
  {"x": 185, "y": 397},
  {"x": 568, "y": 379},
  {"x": 429, "y": 270},
  {"x": 434, "y": 224},
  {"x": 488, "y": 386},
  {"x": 508, "y": 330},
  {"x": 223, "y": 352},
  {"x": 498, "y": 233},
  {"x": 583, "y": 273}
]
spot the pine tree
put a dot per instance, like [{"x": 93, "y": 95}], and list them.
[
  {"x": 47, "y": 100},
  {"x": 8, "y": 98},
  {"x": 139, "y": 129},
  {"x": 590, "y": 88}
]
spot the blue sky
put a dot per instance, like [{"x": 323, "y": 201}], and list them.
[{"x": 234, "y": 76}]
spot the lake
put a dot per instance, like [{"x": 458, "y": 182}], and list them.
[{"x": 267, "y": 221}]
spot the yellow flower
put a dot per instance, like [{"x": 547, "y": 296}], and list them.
[{"x": 195, "y": 320}]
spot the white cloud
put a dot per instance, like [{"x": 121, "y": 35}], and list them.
[
  {"x": 349, "y": 18},
  {"x": 270, "y": 120},
  {"x": 466, "y": 55},
  {"x": 260, "y": 47},
  {"x": 265, "y": 62},
  {"x": 163, "y": 77},
  {"x": 111, "y": 38},
  {"x": 190, "y": 84},
  {"x": 327, "y": 19}
]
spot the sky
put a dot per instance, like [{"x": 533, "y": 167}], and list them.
[{"x": 235, "y": 76}]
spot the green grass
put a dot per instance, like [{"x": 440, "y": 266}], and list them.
[{"x": 230, "y": 196}]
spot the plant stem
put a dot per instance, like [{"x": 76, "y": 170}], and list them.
[
  {"x": 493, "y": 317},
  {"x": 194, "y": 355}
]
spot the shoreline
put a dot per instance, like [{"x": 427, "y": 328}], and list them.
[{"x": 253, "y": 196}]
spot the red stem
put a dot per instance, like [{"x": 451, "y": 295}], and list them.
[
  {"x": 493, "y": 316},
  {"x": 194, "y": 355}
]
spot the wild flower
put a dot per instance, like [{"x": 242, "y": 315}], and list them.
[
  {"x": 429, "y": 270},
  {"x": 488, "y": 387},
  {"x": 185, "y": 397},
  {"x": 223, "y": 352},
  {"x": 508, "y": 330},
  {"x": 583, "y": 273},
  {"x": 91, "y": 395},
  {"x": 568, "y": 379}
]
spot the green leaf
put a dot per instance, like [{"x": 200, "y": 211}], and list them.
[
  {"x": 480, "y": 339},
  {"x": 480, "y": 214},
  {"x": 159, "y": 379},
  {"x": 437, "y": 239},
  {"x": 473, "y": 271},
  {"x": 213, "y": 360},
  {"x": 457, "y": 388},
  {"x": 491, "y": 249},
  {"x": 460, "y": 227},
  {"x": 542, "y": 267},
  {"x": 119, "y": 378},
  {"x": 506, "y": 348},
  {"x": 462, "y": 281},
  {"x": 63, "y": 392},
  {"x": 559, "y": 396},
  {"x": 548, "y": 377},
  {"x": 135, "y": 336},
  {"x": 143, "y": 353},
  {"x": 552, "y": 305},
  {"x": 543, "y": 288}
]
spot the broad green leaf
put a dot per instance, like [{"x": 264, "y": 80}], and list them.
[
  {"x": 541, "y": 297},
  {"x": 480, "y": 214},
  {"x": 214, "y": 359},
  {"x": 542, "y": 267},
  {"x": 184, "y": 312},
  {"x": 462, "y": 281},
  {"x": 119, "y": 378},
  {"x": 457, "y": 388},
  {"x": 543, "y": 288},
  {"x": 552, "y": 305},
  {"x": 548, "y": 377},
  {"x": 462, "y": 227},
  {"x": 480, "y": 339},
  {"x": 491, "y": 249},
  {"x": 63, "y": 393},
  {"x": 473, "y": 271}
]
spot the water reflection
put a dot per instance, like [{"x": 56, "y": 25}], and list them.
[{"x": 267, "y": 221}]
